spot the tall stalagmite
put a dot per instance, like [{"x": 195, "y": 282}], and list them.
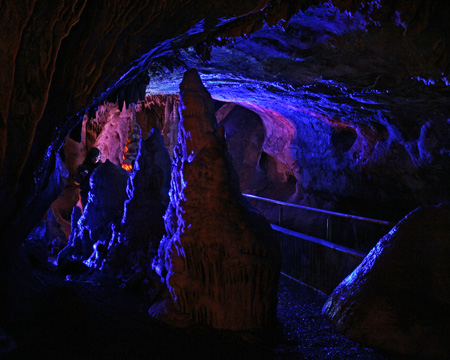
[{"x": 219, "y": 259}]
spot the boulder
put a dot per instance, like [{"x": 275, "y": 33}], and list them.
[{"x": 398, "y": 299}]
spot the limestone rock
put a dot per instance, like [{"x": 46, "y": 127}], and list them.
[
  {"x": 245, "y": 137},
  {"x": 114, "y": 129},
  {"x": 54, "y": 234},
  {"x": 105, "y": 203},
  {"x": 219, "y": 259},
  {"x": 73, "y": 250},
  {"x": 398, "y": 298},
  {"x": 142, "y": 226},
  {"x": 149, "y": 182},
  {"x": 162, "y": 112},
  {"x": 35, "y": 246}
]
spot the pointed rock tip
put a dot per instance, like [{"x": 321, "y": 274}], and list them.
[
  {"x": 155, "y": 135},
  {"x": 191, "y": 80}
]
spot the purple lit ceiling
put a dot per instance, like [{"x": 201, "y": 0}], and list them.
[{"x": 352, "y": 106}]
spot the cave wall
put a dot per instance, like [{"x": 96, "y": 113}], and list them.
[
  {"x": 53, "y": 50},
  {"x": 321, "y": 162},
  {"x": 72, "y": 53}
]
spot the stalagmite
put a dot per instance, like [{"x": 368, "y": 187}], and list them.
[
  {"x": 104, "y": 209},
  {"x": 219, "y": 259},
  {"x": 137, "y": 238}
]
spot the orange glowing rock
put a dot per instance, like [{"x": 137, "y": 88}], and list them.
[{"x": 125, "y": 165}]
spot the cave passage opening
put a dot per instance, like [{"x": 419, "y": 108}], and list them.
[{"x": 259, "y": 140}]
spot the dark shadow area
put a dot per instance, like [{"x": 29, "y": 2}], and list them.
[{"x": 90, "y": 317}]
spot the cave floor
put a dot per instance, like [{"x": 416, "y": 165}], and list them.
[{"x": 98, "y": 320}]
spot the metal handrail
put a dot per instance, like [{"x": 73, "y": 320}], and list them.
[{"x": 348, "y": 216}]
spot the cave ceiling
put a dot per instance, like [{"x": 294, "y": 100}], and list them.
[
  {"x": 340, "y": 91},
  {"x": 344, "y": 69}
]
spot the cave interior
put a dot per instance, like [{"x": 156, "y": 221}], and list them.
[{"x": 201, "y": 111}]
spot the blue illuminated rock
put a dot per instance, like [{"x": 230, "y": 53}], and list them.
[
  {"x": 219, "y": 259},
  {"x": 105, "y": 203},
  {"x": 398, "y": 299},
  {"x": 148, "y": 186},
  {"x": 73, "y": 251}
]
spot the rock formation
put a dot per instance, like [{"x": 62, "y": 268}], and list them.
[
  {"x": 112, "y": 131},
  {"x": 142, "y": 225},
  {"x": 398, "y": 299},
  {"x": 73, "y": 251},
  {"x": 132, "y": 146},
  {"x": 361, "y": 86},
  {"x": 369, "y": 135},
  {"x": 75, "y": 54},
  {"x": 104, "y": 209},
  {"x": 245, "y": 135},
  {"x": 161, "y": 112},
  {"x": 219, "y": 259},
  {"x": 35, "y": 246}
]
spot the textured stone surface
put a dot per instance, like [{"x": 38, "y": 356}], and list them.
[
  {"x": 105, "y": 204},
  {"x": 245, "y": 136},
  {"x": 160, "y": 112},
  {"x": 346, "y": 111},
  {"x": 138, "y": 235},
  {"x": 218, "y": 260},
  {"x": 398, "y": 298},
  {"x": 73, "y": 251},
  {"x": 112, "y": 127}
]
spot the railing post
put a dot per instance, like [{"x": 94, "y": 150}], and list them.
[
  {"x": 328, "y": 229},
  {"x": 280, "y": 216}
]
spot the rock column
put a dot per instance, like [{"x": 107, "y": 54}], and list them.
[{"x": 219, "y": 259}]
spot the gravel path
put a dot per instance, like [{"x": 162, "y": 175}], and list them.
[{"x": 307, "y": 333}]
